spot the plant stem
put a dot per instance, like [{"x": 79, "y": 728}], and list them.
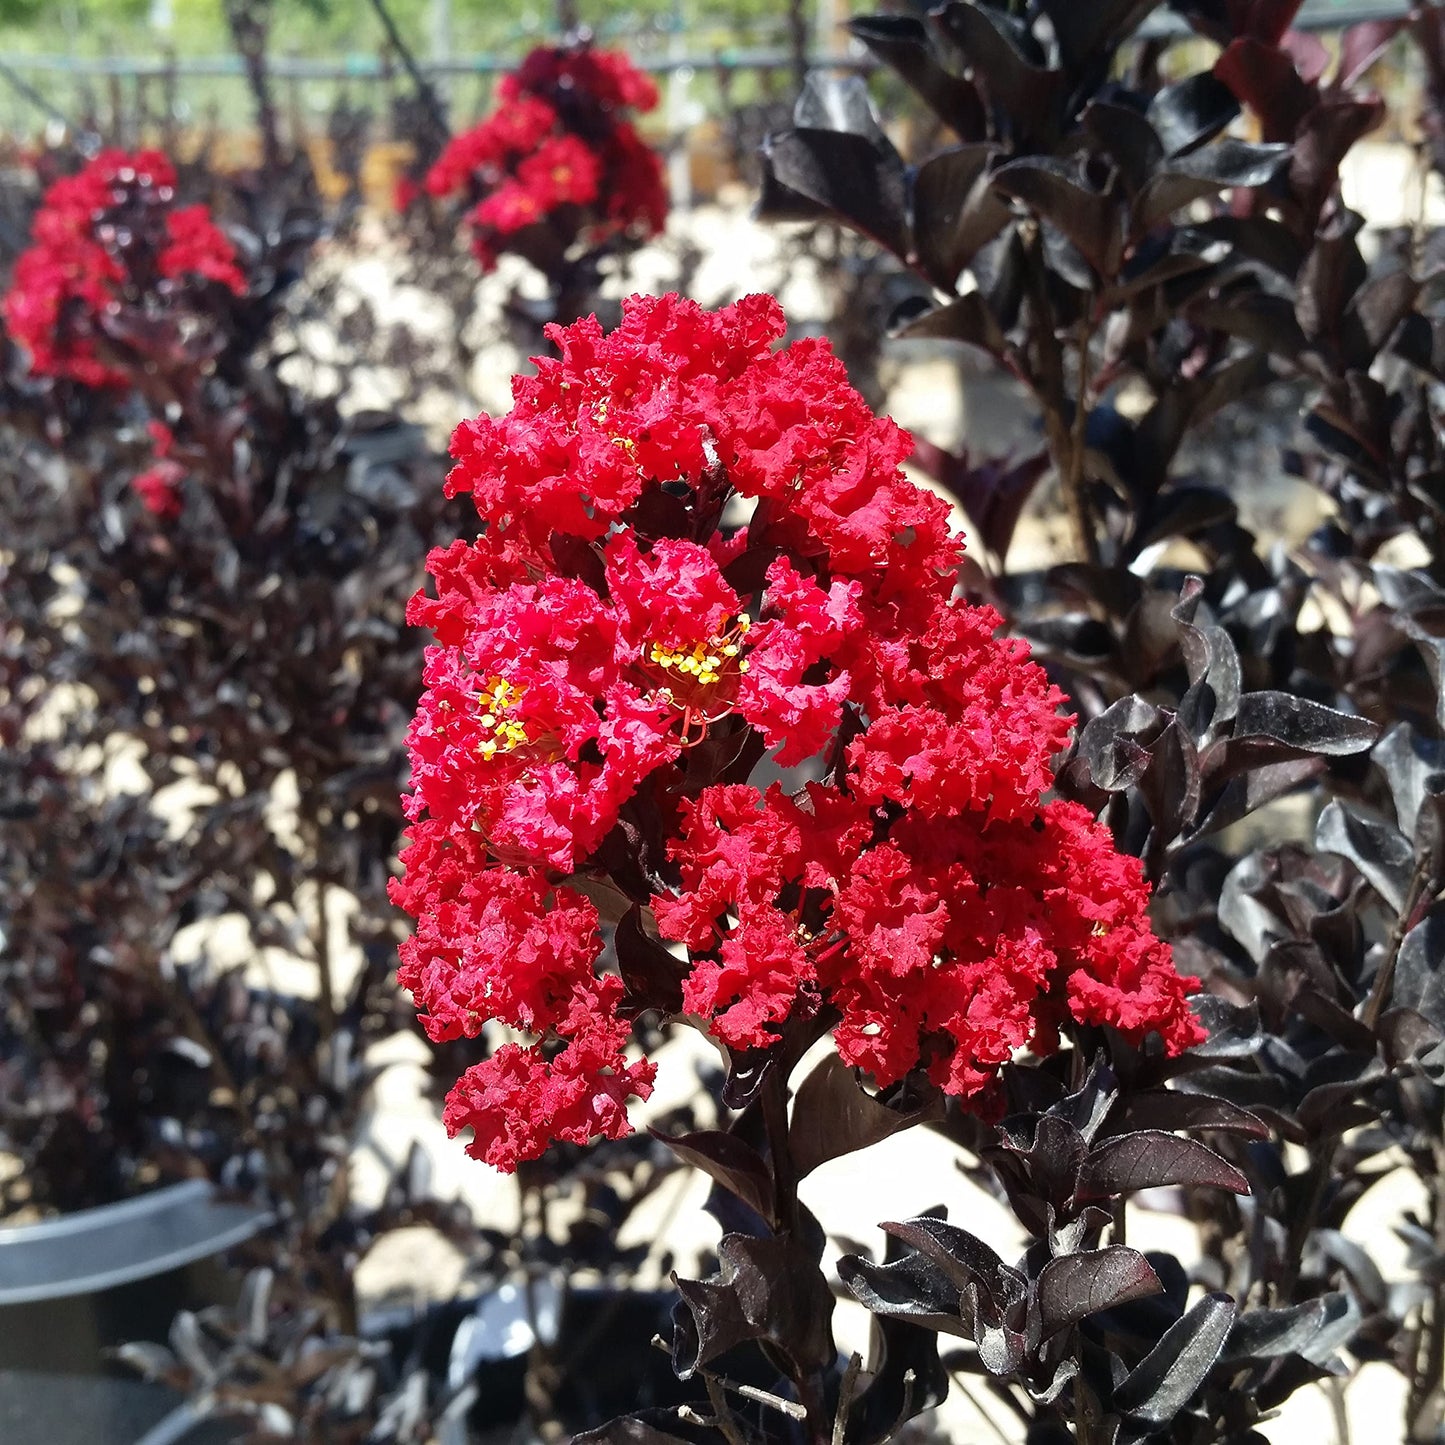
[
  {"x": 1042, "y": 367},
  {"x": 1425, "y": 1404},
  {"x": 325, "y": 984},
  {"x": 250, "y": 23},
  {"x": 775, "y": 1120},
  {"x": 426, "y": 93},
  {"x": 1304, "y": 1222},
  {"x": 1335, "y": 1389},
  {"x": 1074, "y": 480},
  {"x": 1083, "y": 1412},
  {"x": 798, "y": 41},
  {"x": 774, "y": 1102},
  {"x": 1380, "y": 993}
]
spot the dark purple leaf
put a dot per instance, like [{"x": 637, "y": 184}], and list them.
[
  {"x": 1301, "y": 725},
  {"x": 1259, "y": 238},
  {"x": 1377, "y": 310},
  {"x": 1419, "y": 982},
  {"x": 1021, "y": 87},
  {"x": 1160, "y": 260},
  {"x": 1181, "y": 512},
  {"x": 1150, "y": 1158},
  {"x": 1381, "y": 852},
  {"x": 1258, "y": 786},
  {"x": 1407, "y": 1036},
  {"x": 968, "y": 320},
  {"x": 902, "y": 43},
  {"x": 992, "y": 492},
  {"x": 1414, "y": 767},
  {"x": 1051, "y": 187},
  {"x": 766, "y": 1289},
  {"x": 1191, "y": 111},
  {"x": 1127, "y": 138},
  {"x": 955, "y": 212},
  {"x": 1258, "y": 317},
  {"x": 1421, "y": 342},
  {"x": 1171, "y": 785},
  {"x": 965, "y": 1260},
  {"x": 1361, "y": 46},
  {"x": 1364, "y": 1273},
  {"x": 1078, "y": 1285},
  {"x": 776, "y": 202},
  {"x": 1161, "y": 1385},
  {"x": 849, "y": 175},
  {"x": 1215, "y": 677},
  {"x": 833, "y": 1115},
  {"x": 652, "y": 975},
  {"x": 840, "y": 103},
  {"x": 1086, "y": 1108},
  {"x": 1334, "y": 1105},
  {"x": 1091, "y": 33},
  {"x": 1423, "y": 633},
  {"x": 1224, "y": 166},
  {"x": 1331, "y": 274},
  {"x": 730, "y": 1161},
  {"x": 1109, "y": 747},
  {"x": 1170, "y": 1110},
  {"x": 912, "y": 1288},
  {"x": 1186, "y": 404},
  {"x": 1266, "y": 1334},
  {"x": 1048, "y": 1151},
  {"x": 1264, "y": 79}
]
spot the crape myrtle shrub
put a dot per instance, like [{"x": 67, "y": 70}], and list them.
[
  {"x": 1096, "y": 226},
  {"x": 205, "y": 571},
  {"x": 557, "y": 173}
]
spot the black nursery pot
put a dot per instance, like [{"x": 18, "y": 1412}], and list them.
[{"x": 74, "y": 1287}]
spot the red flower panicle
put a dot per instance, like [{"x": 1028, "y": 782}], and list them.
[
  {"x": 558, "y": 151},
  {"x": 111, "y": 235},
  {"x": 700, "y": 564},
  {"x": 159, "y": 485}
]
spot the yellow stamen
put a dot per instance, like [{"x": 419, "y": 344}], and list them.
[
  {"x": 498, "y": 698},
  {"x": 706, "y": 662}
]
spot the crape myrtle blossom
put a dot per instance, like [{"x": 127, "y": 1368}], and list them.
[
  {"x": 558, "y": 151},
  {"x": 111, "y": 235},
  {"x": 615, "y": 653}
]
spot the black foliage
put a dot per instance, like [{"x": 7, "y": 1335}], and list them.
[{"x": 1259, "y": 725}]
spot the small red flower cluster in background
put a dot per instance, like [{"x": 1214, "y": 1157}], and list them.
[
  {"x": 559, "y": 150},
  {"x": 159, "y": 485},
  {"x": 699, "y": 553},
  {"x": 109, "y": 236}
]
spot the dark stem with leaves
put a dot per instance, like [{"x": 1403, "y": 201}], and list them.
[
  {"x": 250, "y": 24},
  {"x": 431, "y": 103},
  {"x": 773, "y": 1101},
  {"x": 1420, "y": 883}
]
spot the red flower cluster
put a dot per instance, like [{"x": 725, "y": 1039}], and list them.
[
  {"x": 699, "y": 550},
  {"x": 159, "y": 485},
  {"x": 109, "y": 235},
  {"x": 558, "y": 150}
]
